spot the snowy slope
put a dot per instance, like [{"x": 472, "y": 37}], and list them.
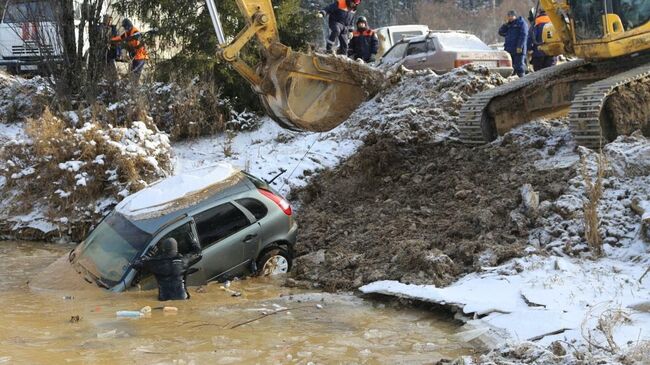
[
  {"x": 264, "y": 151},
  {"x": 568, "y": 295}
]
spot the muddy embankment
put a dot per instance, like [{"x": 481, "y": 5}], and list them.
[{"x": 418, "y": 212}]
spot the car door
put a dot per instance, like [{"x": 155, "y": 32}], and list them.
[
  {"x": 224, "y": 231},
  {"x": 183, "y": 232},
  {"x": 416, "y": 56},
  {"x": 435, "y": 57}
]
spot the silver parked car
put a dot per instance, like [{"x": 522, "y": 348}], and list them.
[
  {"x": 242, "y": 225},
  {"x": 442, "y": 51}
]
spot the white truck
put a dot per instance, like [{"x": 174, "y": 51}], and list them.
[{"x": 29, "y": 38}]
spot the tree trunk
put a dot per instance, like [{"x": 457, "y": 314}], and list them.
[{"x": 71, "y": 66}]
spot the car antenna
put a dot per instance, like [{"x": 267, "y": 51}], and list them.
[{"x": 282, "y": 171}]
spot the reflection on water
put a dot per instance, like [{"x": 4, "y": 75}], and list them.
[{"x": 39, "y": 326}]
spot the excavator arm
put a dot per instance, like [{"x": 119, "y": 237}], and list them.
[{"x": 300, "y": 91}]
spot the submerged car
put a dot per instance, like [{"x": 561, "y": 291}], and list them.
[
  {"x": 442, "y": 51},
  {"x": 242, "y": 224}
]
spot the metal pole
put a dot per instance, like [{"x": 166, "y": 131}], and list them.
[{"x": 214, "y": 14}]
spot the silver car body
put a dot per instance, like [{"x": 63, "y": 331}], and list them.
[
  {"x": 442, "y": 51},
  {"x": 225, "y": 257}
]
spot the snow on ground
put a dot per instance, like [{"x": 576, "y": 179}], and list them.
[
  {"x": 560, "y": 292},
  {"x": 12, "y": 132},
  {"x": 268, "y": 149}
]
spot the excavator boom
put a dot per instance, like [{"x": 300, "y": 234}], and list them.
[{"x": 300, "y": 91}]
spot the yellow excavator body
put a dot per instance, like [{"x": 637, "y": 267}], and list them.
[
  {"x": 300, "y": 91},
  {"x": 612, "y": 40}
]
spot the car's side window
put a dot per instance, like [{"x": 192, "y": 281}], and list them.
[
  {"x": 416, "y": 48},
  {"x": 256, "y": 207},
  {"x": 395, "y": 54},
  {"x": 431, "y": 45},
  {"x": 218, "y": 223},
  {"x": 183, "y": 236}
]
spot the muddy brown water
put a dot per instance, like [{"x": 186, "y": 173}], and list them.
[{"x": 36, "y": 326}]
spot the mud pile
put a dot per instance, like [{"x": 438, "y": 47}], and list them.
[
  {"x": 422, "y": 106},
  {"x": 421, "y": 212}
]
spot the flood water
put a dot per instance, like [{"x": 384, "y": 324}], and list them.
[{"x": 39, "y": 326}]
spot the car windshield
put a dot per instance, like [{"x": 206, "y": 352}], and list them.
[
  {"x": 461, "y": 42},
  {"x": 111, "y": 247},
  {"x": 394, "y": 54},
  {"x": 36, "y": 11}
]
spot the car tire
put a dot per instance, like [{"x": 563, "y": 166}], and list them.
[{"x": 273, "y": 262}]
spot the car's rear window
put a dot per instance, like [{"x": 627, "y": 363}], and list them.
[
  {"x": 256, "y": 207},
  {"x": 461, "y": 42}
]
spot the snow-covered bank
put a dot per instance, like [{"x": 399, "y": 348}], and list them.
[
  {"x": 560, "y": 292},
  {"x": 264, "y": 152}
]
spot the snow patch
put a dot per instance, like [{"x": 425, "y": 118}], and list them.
[{"x": 160, "y": 195}]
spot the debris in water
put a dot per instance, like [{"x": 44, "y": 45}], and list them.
[
  {"x": 170, "y": 310},
  {"x": 129, "y": 314}
]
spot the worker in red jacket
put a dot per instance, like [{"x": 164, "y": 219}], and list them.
[
  {"x": 340, "y": 17},
  {"x": 364, "y": 43}
]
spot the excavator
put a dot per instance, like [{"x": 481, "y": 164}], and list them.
[
  {"x": 605, "y": 92},
  {"x": 300, "y": 91}
]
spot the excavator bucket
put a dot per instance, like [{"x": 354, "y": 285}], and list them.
[
  {"x": 300, "y": 91},
  {"x": 314, "y": 92}
]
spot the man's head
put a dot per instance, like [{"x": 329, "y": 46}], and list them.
[
  {"x": 127, "y": 25},
  {"x": 362, "y": 23},
  {"x": 169, "y": 247},
  {"x": 107, "y": 19},
  {"x": 352, "y": 4},
  {"x": 512, "y": 15}
]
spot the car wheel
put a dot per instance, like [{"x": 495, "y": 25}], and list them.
[{"x": 274, "y": 262}]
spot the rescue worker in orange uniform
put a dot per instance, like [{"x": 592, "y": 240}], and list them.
[
  {"x": 364, "y": 43},
  {"x": 341, "y": 18},
  {"x": 538, "y": 58},
  {"x": 137, "y": 51}
]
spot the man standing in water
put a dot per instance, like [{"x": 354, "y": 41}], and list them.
[{"x": 170, "y": 269}]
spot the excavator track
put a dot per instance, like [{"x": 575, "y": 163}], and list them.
[
  {"x": 579, "y": 89},
  {"x": 473, "y": 114},
  {"x": 587, "y": 108}
]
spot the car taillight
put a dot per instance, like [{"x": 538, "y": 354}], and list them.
[
  {"x": 505, "y": 63},
  {"x": 459, "y": 63},
  {"x": 283, "y": 204}
]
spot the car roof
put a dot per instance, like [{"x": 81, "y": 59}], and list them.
[
  {"x": 152, "y": 225},
  {"x": 151, "y": 218},
  {"x": 420, "y": 38},
  {"x": 402, "y": 28}
]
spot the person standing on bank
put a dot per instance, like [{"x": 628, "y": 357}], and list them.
[{"x": 515, "y": 31}]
